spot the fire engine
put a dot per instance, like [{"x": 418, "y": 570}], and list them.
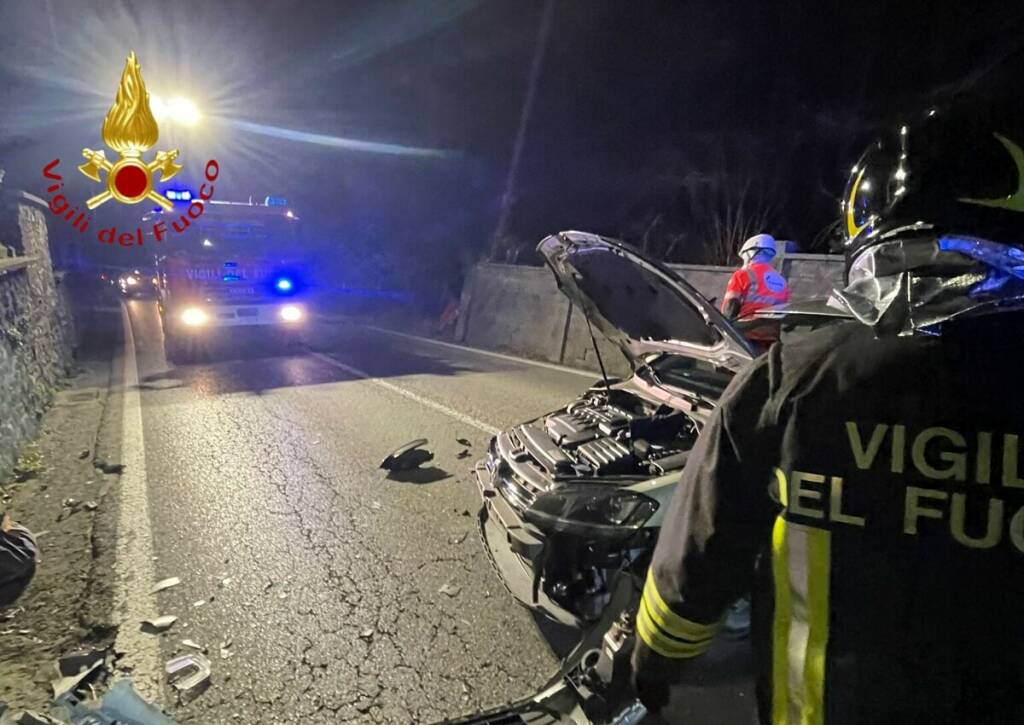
[{"x": 239, "y": 265}]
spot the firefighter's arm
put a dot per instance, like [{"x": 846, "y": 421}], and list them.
[
  {"x": 715, "y": 524},
  {"x": 735, "y": 292}
]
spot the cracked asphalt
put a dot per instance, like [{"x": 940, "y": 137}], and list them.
[{"x": 320, "y": 576}]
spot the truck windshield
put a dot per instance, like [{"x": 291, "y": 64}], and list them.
[{"x": 256, "y": 236}]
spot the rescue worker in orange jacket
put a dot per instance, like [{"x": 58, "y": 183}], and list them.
[{"x": 757, "y": 284}]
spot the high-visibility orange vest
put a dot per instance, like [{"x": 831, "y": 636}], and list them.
[{"x": 757, "y": 286}]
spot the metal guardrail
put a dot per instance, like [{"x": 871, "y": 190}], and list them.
[{"x": 12, "y": 264}]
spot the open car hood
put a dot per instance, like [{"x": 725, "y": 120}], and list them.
[{"x": 638, "y": 304}]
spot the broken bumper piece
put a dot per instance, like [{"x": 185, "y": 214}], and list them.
[
  {"x": 189, "y": 674},
  {"x": 515, "y": 548}
]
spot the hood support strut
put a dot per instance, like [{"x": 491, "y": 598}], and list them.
[{"x": 597, "y": 350}]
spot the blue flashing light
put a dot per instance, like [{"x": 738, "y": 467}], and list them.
[
  {"x": 283, "y": 284},
  {"x": 178, "y": 194}
]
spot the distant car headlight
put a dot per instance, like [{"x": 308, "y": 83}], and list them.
[
  {"x": 592, "y": 510},
  {"x": 155, "y": 281},
  {"x": 291, "y": 313},
  {"x": 131, "y": 281},
  {"x": 194, "y": 317}
]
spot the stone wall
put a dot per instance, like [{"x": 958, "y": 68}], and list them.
[
  {"x": 36, "y": 331},
  {"x": 519, "y": 309}
]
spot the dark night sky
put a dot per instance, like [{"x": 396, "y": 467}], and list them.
[{"x": 633, "y": 100}]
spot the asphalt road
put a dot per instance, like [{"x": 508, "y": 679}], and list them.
[{"x": 321, "y": 576}]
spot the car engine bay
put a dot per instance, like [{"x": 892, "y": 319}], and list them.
[
  {"x": 612, "y": 433},
  {"x": 581, "y": 460}
]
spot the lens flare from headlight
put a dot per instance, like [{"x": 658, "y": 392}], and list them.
[
  {"x": 194, "y": 317},
  {"x": 291, "y": 313}
]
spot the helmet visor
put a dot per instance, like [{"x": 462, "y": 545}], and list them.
[{"x": 876, "y": 182}]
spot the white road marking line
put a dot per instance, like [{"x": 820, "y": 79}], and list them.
[
  {"x": 489, "y": 353},
  {"x": 134, "y": 573},
  {"x": 439, "y": 407}
]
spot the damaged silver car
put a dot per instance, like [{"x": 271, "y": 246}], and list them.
[{"x": 575, "y": 499}]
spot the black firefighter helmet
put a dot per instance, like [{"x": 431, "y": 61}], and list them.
[{"x": 949, "y": 171}]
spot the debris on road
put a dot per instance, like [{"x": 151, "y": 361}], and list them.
[
  {"x": 165, "y": 584},
  {"x": 11, "y": 613},
  {"x": 189, "y": 674},
  {"x": 452, "y": 590},
  {"x": 74, "y": 664},
  {"x": 193, "y": 645},
  {"x": 199, "y": 603},
  {"x": 376, "y": 505},
  {"x": 463, "y": 454},
  {"x": 158, "y": 625},
  {"x": 70, "y": 506},
  {"x": 366, "y": 633},
  {"x": 108, "y": 467},
  {"x": 225, "y": 649},
  {"x": 464, "y": 442},
  {"x": 74, "y": 670},
  {"x": 458, "y": 538},
  {"x": 224, "y": 582},
  {"x": 267, "y": 586},
  {"x": 411, "y": 455},
  {"x": 83, "y": 454}
]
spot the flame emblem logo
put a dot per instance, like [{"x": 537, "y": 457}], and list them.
[{"x": 130, "y": 129}]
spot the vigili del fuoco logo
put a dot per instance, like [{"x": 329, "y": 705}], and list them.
[{"x": 131, "y": 130}]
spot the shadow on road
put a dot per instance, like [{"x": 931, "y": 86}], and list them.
[{"x": 419, "y": 476}]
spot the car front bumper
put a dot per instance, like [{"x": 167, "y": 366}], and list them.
[{"x": 515, "y": 549}]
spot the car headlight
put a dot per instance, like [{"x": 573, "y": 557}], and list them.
[
  {"x": 592, "y": 509},
  {"x": 291, "y": 313},
  {"x": 194, "y": 317},
  {"x": 131, "y": 281}
]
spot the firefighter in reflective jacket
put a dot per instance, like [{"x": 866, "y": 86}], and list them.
[
  {"x": 865, "y": 480},
  {"x": 755, "y": 286}
]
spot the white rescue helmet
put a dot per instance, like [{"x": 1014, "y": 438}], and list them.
[{"x": 757, "y": 243}]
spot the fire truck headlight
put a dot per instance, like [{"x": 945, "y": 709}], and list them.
[
  {"x": 291, "y": 313},
  {"x": 131, "y": 281},
  {"x": 194, "y": 317}
]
